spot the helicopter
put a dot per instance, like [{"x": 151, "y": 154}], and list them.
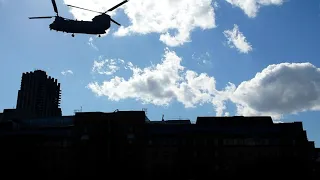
[{"x": 97, "y": 26}]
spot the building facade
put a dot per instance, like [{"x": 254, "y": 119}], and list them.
[
  {"x": 125, "y": 144},
  {"x": 39, "y": 95}
]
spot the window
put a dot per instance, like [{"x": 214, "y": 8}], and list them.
[
  {"x": 166, "y": 154},
  {"x": 130, "y": 136},
  {"x": 85, "y": 137},
  {"x": 205, "y": 142},
  {"x": 216, "y": 153},
  {"x": 216, "y": 142},
  {"x": 250, "y": 142},
  {"x": 65, "y": 143},
  {"x": 228, "y": 142},
  {"x": 184, "y": 141},
  {"x": 195, "y": 154},
  {"x": 225, "y": 142},
  {"x": 174, "y": 142}
]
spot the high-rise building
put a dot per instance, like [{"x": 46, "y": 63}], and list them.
[{"x": 39, "y": 95}]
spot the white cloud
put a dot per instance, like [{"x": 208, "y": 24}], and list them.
[
  {"x": 202, "y": 59},
  {"x": 160, "y": 84},
  {"x": 90, "y": 43},
  {"x": 251, "y": 7},
  {"x": 216, "y": 5},
  {"x": 107, "y": 66},
  {"x": 67, "y": 72},
  {"x": 279, "y": 89},
  {"x": 149, "y": 16},
  {"x": 236, "y": 39}
]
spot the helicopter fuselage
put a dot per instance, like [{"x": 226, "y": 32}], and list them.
[{"x": 98, "y": 25}]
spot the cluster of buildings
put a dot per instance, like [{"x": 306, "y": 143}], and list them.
[{"x": 37, "y": 141}]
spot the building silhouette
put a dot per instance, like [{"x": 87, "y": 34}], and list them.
[
  {"x": 126, "y": 144},
  {"x": 38, "y": 142},
  {"x": 39, "y": 95}
]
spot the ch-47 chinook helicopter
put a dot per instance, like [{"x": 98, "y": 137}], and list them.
[{"x": 97, "y": 26}]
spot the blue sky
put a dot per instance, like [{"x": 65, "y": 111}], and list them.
[{"x": 182, "y": 59}]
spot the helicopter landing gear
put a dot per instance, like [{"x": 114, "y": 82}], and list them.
[
  {"x": 99, "y": 35},
  {"x": 72, "y": 35}
]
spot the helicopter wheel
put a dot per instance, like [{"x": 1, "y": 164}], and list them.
[
  {"x": 72, "y": 35},
  {"x": 99, "y": 35}
]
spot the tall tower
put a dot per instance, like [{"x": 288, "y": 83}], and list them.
[{"x": 39, "y": 95}]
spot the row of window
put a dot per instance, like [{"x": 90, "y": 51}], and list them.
[
  {"x": 205, "y": 142},
  {"x": 234, "y": 154}
]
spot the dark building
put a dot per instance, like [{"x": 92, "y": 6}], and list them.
[
  {"x": 228, "y": 147},
  {"x": 39, "y": 95},
  {"x": 316, "y": 169},
  {"x": 126, "y": 144}
]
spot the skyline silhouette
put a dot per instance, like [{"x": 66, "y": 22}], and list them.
[
  {"x": 39, "y": 96},
  {"x": 212, "y": 147}
]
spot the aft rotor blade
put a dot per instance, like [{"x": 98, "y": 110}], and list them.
[
  {"x": 55, "y": 6},
  {"x": 115, "y": 22},
  {"x": 116, "y": 6},
  {"x": 84, "y": 9},
  {"x": 41, "y": 17}
]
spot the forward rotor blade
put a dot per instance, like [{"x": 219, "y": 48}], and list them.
[
  {"x": 115, "y": 22},
  {"x": 116, "y": 6},
  {"x": 41, "y": 17},
  {"x": 55, "y": 6},
  {"x": 84, "y": 9}
]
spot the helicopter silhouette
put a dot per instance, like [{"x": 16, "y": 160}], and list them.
[{"x": 98, "y": 25}]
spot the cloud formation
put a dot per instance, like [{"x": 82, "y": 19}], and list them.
[
  {"x": 279, "y": 89},
  {"x": 90, "y": 43},
  {"x": 66, "y": 72},
  {"x": 202, "y": 59},
  {"x": 160, "y": 84},
  {"x": 285, "y": 88},
  {"x": 148, "y": 16},
  {"x": 237, "y": 40},
  {"x": 107, "y": 66},
  {"x": 251, "y": 7}
]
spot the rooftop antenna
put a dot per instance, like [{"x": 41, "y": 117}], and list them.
[{"x": 78, "y": 110}]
